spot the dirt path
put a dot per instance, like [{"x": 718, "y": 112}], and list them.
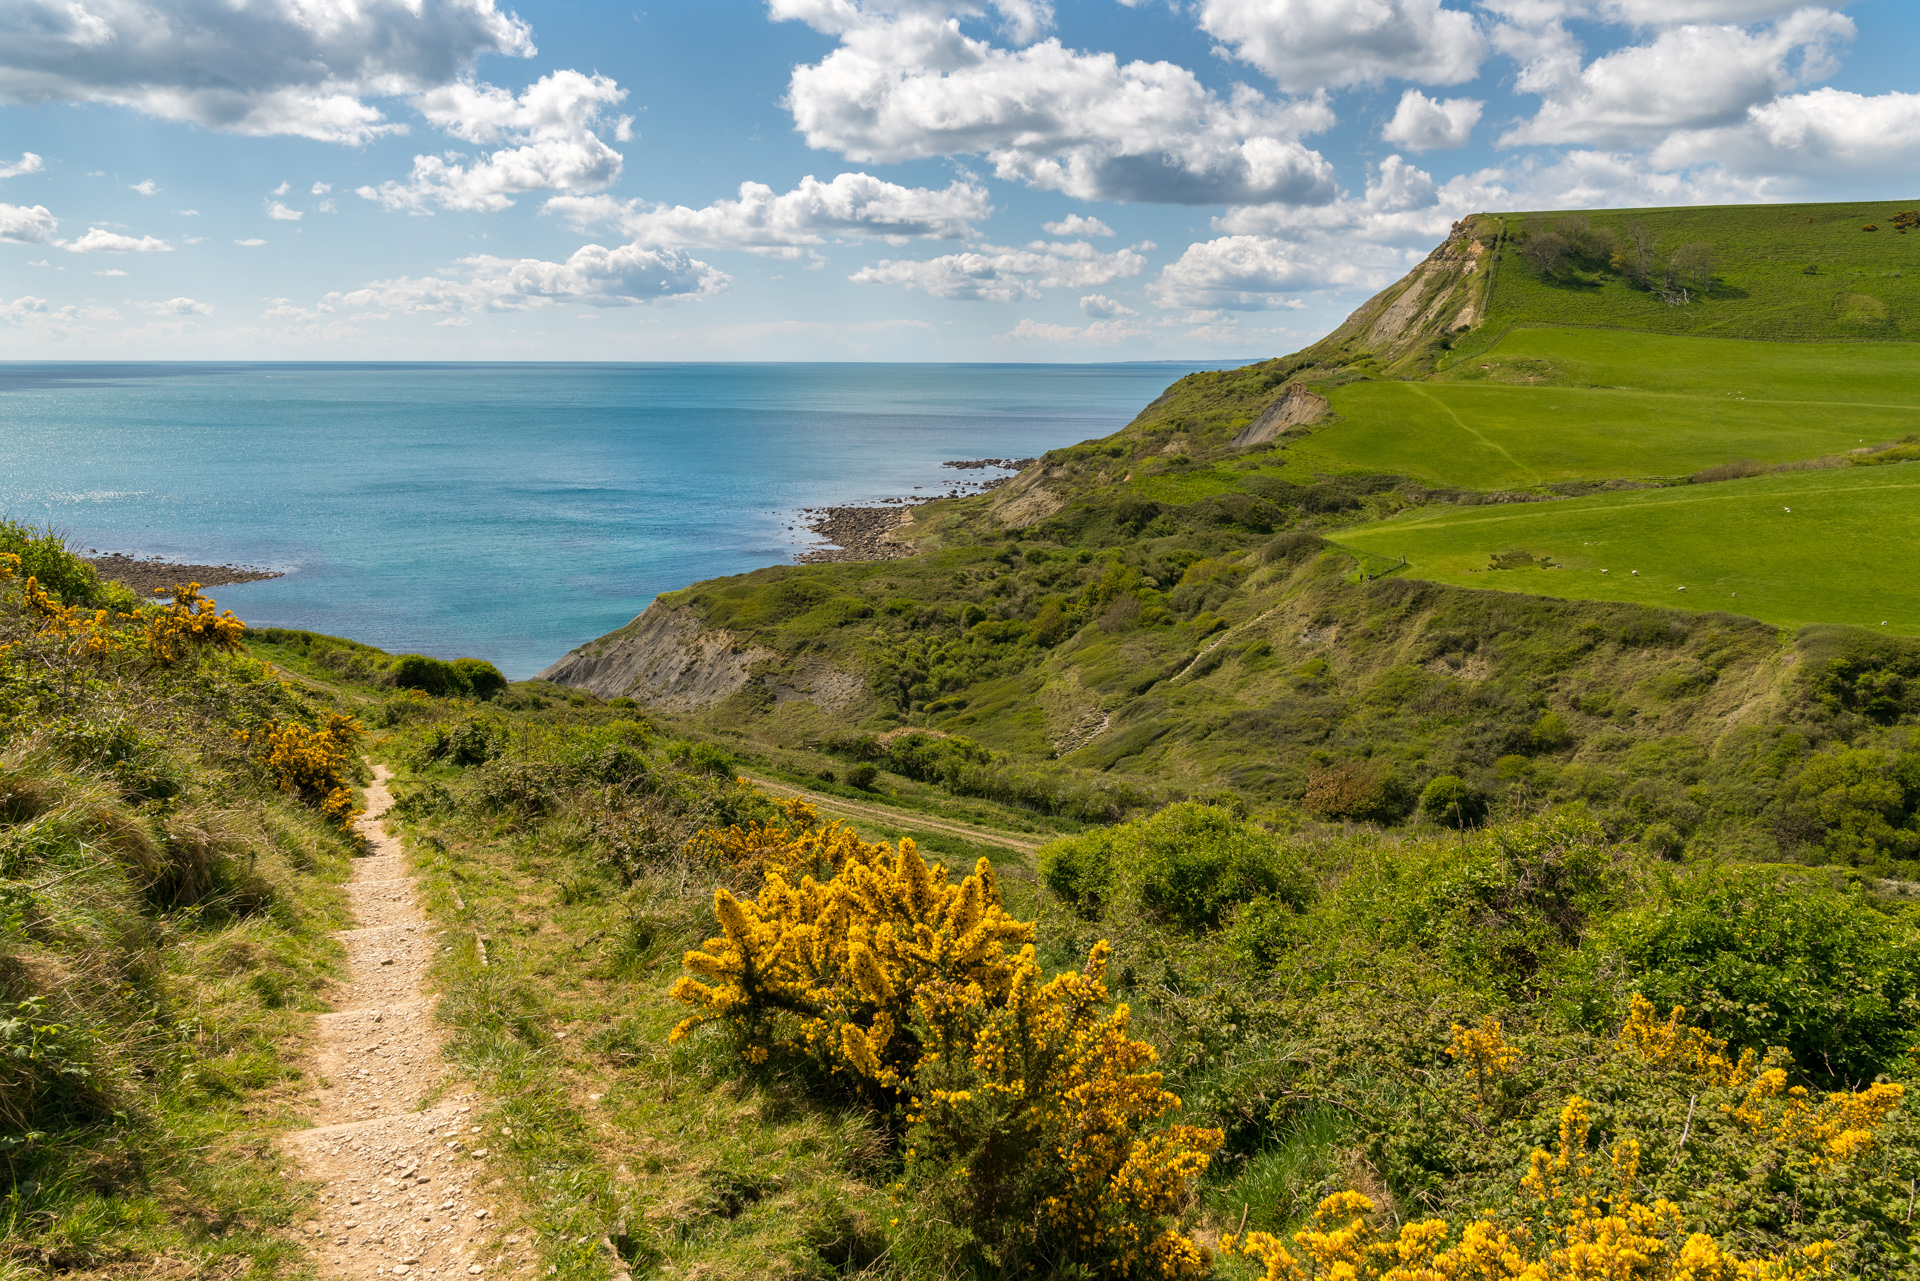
[
  {"x": 909, "y": 819},
  {"x": 403, "y": 1189}
]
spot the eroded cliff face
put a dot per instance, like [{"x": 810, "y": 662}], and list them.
[
  {"x": 662, "y": 659},
  {"x": 1445, "y": 294}
]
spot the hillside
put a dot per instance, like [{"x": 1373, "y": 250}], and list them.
[{"x": 1213, "y": 599}]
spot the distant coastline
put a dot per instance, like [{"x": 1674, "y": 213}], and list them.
[{"x": 149, "y": 574}]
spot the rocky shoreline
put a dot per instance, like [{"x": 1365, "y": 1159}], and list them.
[
  {"x": 148, "y": 574},
  {"x": 863, "y": 532}
]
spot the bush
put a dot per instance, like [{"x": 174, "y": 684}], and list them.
[
  {"x": 424, "y": 672},
  {"x": 1184, "y": 866},
  {"x": 1761, "y": 960},
  {"x": 1452, "y": 801},
  {"x": 480, "y": 678},
  {"x": 862, "y": 775},
  {"x": 1028, "y": 1108},
  {"x": 1357, "y": 792}
]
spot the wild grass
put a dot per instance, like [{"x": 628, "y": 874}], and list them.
[{"x": 1790, "y": 549}]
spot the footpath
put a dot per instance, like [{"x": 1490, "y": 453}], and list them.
[{"x": 404, "y": 1191}]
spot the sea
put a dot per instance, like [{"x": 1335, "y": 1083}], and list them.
[{"x": 507, "y": 511}]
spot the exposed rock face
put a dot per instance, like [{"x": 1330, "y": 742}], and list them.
[
  {"x": 1293, "y": 407},
  {"x": 1027, "y": 501},
  {"x": 1444, "y": 294},
  {"x": 661, "y": 659}
]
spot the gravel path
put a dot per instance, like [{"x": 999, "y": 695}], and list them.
[{"x": 404, "y": 1190}]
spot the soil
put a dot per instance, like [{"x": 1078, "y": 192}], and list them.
[
  {"x": 147, "y": 575},
  {"x": 398, "y": 1149}
]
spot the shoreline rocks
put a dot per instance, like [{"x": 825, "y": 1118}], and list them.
[{"x": 147, "y": 574}]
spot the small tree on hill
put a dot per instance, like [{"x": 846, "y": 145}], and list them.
[{"x": 1692, "y": 266}]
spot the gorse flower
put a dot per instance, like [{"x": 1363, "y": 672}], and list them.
[
  {"x": 310, "y": 763},
  {"x": 190, "y": 621},
  {"x": 1026, "y": 1106}
]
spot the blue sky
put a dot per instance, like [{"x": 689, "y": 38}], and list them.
[{"x": 864, "y": 179}]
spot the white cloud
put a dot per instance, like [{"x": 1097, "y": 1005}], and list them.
[
  {"x": 1101, "y": 333},
  {"x": 1421, "y": 123},
  {"x": 1077, "y": 225},
  {"x": 97, "y": 241},
  {"x": 282, "y": 189},
  {"x": 854, "y": 206},
  {"x": 146, "y": 187},
  {"x": 321, "y": 188},
  {"x": 111, "y": 271},
  {"x": 593, "y": 275},
  {"x": 188, "y": 213},
  {"x": 1644, "y": 13},
  {"x": 27, "y": 224},
  {"x": 1827, "y": 131},
  {"x": 1323, "y": 44},
  {"x": 252, "y": 242},
  {"x": 907, "y": 83},
  {"x": 1254, "y": 273},
  {"x": 326, "y": 206},
  {"x": 38, "y": 313},
  {"x": 28, "y": 163},
  {"x": 1689, "y": 77},
  {"x": 299, "y": 67},
  {"x": 280, "y": 213},
  {"x": 551, "y": 130},
  {"x": 42, "y": 262},
  {"x": 461, "y": 322},
  {"x": 996, "y": 274},
  {"x": 180, "y": 307},
  {"x": 1101, "y": 307}
]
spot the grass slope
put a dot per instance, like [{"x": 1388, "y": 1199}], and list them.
[
  {"x": 1862, "y": 285},
  {"x": 1838, "y": 556},
  {"x": 1550, "y": 405}
]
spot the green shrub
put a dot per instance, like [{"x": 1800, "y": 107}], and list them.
[
  {"x": 1763, "y": 960},
  {"x": 863, "y": 775},
  {"x": 480, "y": 678},
  {"x": 425, "y": 673},
  {"x": 1184, "y": 866},
  {"x": 1451, "y": 800}
]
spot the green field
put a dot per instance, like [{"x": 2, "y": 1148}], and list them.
[
  {"x": 1547, "y": 405},
  {"x": 1862, "y": 284},
  {"x": 1842, "y": 554}
]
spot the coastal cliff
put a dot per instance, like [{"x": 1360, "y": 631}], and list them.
[{"x": 663, "y": 659}]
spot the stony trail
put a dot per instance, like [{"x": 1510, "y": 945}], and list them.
[{"x": 404, "y": 1190}]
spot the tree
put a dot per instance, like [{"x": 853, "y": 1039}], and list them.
[
  {"x": 1546, "y": 250},
  {"x": 1692, "y": 266},
  {"x": 1633, "y": 257}
]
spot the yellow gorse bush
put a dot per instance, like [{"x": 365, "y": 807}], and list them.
[
  {"x": 1026, "y": 1100},
  {"x": 1584, "y": 1224},
  {"x": 1583, "y": 1215},
  {"x": 189, "y": 621},
  {"x": 311, "y": 763},
  {"x": 1818, "y": 1132},
  {"x": 1486, "y": 1051}
]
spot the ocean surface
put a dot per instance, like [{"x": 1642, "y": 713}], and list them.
[{"x": 506, "y": 511}]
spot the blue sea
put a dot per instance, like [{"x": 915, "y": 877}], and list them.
[{"x": 506, "y": 511}]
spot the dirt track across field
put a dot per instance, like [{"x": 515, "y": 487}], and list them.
[{"x": 909, "y": 819}]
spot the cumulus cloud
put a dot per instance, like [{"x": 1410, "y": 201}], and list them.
[
  {"x": 995, "y": 274},
  {"x": 97, "y": 241},
  {"x": 1421, "y": 123},
  {"x": 1255, "y": 273},
  {"x": 180, "y": 307},
  {"x": 906, "y": 83},
  {"x": 1323, "y": 44},
  {"x": 251, "y": 242},
  {"x": 27, "y": 224},
  {"x": 321, "y": 188},
  {"x": 1694, "y": 76},
  {"x": 269, "y": 67},
  {"x": 1101, "y": 307},
  {"x": 854, "y": 206},
  {"x": 594, "y": 275},
  {"x": 1827, "y": 131},
  {"x": 1077, "y": 225},
  {"x": 551, "y": 136},
  {"x": 27, "y": 163},
  {"x": 1643, "y": 13},
  {"x": 1101, "y": 333},
  {"x": 146, "y": 187},
  {"x": 280, "y": 213}
]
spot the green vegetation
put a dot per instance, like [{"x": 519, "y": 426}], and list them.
[
  {"x": 1792, "y": 549},
  {"x": 165, "y": 913}
]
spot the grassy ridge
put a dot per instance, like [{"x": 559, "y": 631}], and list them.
[
  {"x": 1837, "y": 556},
  {"x": 1863, "y": 284}
]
